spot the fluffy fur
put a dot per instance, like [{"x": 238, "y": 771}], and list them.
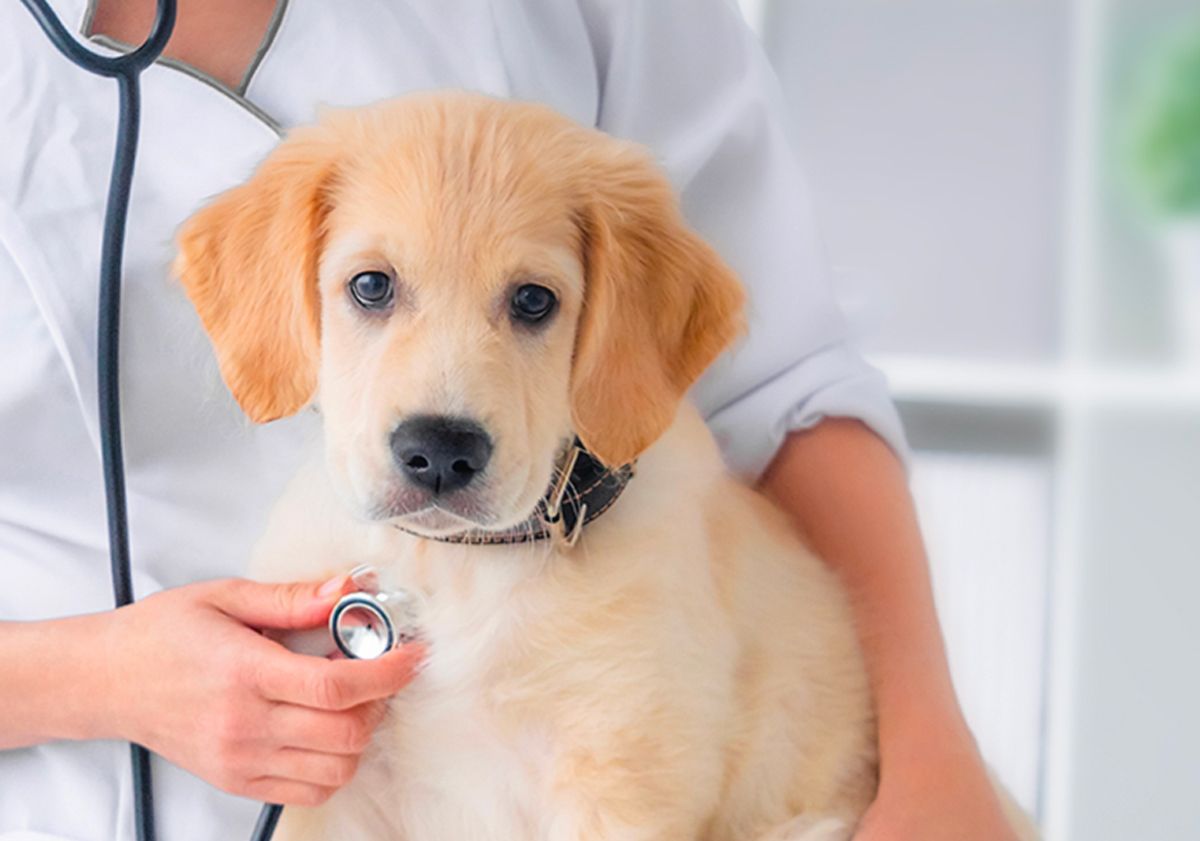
[{"x": 688, "y": 670}]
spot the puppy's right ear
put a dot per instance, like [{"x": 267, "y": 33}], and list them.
[{"x": 248, "y": 261}]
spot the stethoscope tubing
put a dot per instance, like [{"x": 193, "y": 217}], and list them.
[{"x": 126, "y": 69}]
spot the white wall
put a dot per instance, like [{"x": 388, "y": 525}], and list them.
[{"x": 932, "y": 133}]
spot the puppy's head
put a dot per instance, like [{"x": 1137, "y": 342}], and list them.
[{"x": 461, "y": 284}]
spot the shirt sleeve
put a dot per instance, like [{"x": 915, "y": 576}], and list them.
[{"x": 689, "y": 79}]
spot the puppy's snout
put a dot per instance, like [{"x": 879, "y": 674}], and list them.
[{"x": 440, "y": 453}]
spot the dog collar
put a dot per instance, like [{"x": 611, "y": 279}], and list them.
[{"x": 583, "y": 490}]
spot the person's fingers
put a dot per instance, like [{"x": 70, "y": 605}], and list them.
[
  {"x": 348, "y": 732},
  {"x": 286, "y": 792},
  {"x": 304, "y": 604},
  {"x": 334, "y": 684},
  {"x": 328, "y": 770}
]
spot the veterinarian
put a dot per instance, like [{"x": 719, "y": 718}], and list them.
[{"x": 183, "y": 672}]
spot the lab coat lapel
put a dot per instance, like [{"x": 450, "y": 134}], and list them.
[{"x": 195, "y": 142}]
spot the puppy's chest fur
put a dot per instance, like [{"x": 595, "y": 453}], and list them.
[
  {"x": 452, "y": 767},
  {"x": 544, "y": 694}
]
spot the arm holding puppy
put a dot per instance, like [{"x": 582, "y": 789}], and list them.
[{"x": 846, "y": 493}]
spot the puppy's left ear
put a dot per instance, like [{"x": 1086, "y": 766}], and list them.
[
  {"x": 248, "y": 261},
  {"x": 659, "y": 306}
]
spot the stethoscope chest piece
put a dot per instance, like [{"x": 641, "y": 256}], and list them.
[{"x": 371, "y": 622}]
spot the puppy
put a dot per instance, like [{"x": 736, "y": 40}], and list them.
[{"x": 465, "y": 287}]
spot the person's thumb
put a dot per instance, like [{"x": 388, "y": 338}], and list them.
[{"x": 302, "y": 604}]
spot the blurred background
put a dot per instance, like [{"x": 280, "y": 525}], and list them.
[{"x": 1009, "y": 195}]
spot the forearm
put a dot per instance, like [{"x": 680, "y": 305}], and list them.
[
  {"x": 847, "y": 493},
  {"x": 52, "y": 685}
]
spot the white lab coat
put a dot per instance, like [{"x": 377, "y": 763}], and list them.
[{"x": 683, "y": 76}]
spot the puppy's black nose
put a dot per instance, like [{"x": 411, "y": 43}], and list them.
[{"x": 440, "y": 453}]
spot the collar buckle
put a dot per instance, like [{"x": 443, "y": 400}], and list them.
[
  {"x": 555, "y": 499},
  {"x": 569, "y": 539},
  {"x": 559, "y": 490}
]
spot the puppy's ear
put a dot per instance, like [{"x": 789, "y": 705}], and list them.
[
  {"x": 659, "y": 306},
  {"x": 248, "y": 261}
]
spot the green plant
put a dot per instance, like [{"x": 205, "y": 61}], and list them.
[{"x": 1166, "y": 141}]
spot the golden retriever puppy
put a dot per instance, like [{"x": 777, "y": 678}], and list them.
[{"x": 464, "y": 287}]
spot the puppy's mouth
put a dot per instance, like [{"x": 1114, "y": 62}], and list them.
[
  {"x": 435, "y": 515},
  {"x": 436, "y": 522}
]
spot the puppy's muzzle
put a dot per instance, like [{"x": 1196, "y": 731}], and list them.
[{"x": 441, "y": 454}]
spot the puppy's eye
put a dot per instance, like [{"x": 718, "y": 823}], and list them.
[
  {"x": 372, "y": 290},
  {"x": 532, "y": 303}
]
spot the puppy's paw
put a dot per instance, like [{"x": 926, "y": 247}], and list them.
[{"x": 811, "y": 828}]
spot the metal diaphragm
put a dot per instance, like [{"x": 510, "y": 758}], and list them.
[{"x": 368, "y": 624}]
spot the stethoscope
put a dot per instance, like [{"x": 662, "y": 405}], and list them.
[{"x": 364, "y": 624}]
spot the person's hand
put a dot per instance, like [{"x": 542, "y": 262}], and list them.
[
  {"x": 189, "y": 677},
  {"x": 936, "y": 795}
]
